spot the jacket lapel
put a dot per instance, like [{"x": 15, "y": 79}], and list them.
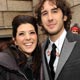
[
  {"x": 65, "y": 53},
  {"x": 45, "y": 70}
]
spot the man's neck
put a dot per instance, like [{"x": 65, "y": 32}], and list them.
[{"x": 56, "y": 36}]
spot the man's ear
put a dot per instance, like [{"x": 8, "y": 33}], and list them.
[{"x": 65, "y": 18}]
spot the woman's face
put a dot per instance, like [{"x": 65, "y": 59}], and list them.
[{"x": 26, "y": 38}]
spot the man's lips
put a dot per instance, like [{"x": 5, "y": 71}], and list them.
[{"x": 51, "y": 25}]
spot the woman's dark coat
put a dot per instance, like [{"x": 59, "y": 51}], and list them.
[{"x": 13, "y": 68}]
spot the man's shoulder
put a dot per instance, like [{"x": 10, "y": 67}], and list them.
[
  {"x": 73, "y": 37},
  {"x": 76, "y": 37}
]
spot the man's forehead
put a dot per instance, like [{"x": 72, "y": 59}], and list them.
[{"x": 51, "y": 3}]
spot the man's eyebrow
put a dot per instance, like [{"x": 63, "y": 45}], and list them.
[
  {"x": 51, "y": 9},
  {"x": 43, "y": 11},
  {"x": 55, "y": 8}
]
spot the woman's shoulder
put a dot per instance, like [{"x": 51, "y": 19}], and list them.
[
  {"x": 4, "y": 54},
  {"x": 7, "y": 60}
]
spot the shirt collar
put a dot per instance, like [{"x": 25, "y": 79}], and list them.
[{"x": 59, "y": 41}]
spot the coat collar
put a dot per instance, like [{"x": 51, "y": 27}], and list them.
[
  {"x": 8, "y": 61},
  {"x": 11, "y": 58}
]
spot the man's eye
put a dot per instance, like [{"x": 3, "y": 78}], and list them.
[
  {"x": 54, "y": 11},
  {"x": 44, "y": 13}
]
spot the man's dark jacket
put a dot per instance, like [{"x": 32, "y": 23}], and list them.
[{"x": 69, "y": 62}]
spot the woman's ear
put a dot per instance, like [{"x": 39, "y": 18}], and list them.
[
  {"x": 65, "y": 18},
  {"x": 14, "y": 40}
]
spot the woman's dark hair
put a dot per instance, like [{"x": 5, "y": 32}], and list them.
[
  {"x": 62, "y": 4},
  {"x": 22, "y": 19}
]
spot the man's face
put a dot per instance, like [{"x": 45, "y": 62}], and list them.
[{"x": 52, "y": 18}]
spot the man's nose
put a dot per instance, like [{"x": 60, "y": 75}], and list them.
[{"x": 50, "y": 17}]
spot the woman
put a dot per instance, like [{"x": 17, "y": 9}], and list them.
[{"x": 22, "y": 60}]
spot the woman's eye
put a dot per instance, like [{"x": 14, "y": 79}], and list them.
[
  {"x": 21, "y": 34},
  {"x": 32, "y": 32}
]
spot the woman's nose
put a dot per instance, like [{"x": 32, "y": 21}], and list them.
[{"x": 27, "y": 36}]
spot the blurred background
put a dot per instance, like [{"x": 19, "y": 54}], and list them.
[{"x": 10, "y": 8}]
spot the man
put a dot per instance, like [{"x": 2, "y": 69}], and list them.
[{"x": 55, "y": 17}]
